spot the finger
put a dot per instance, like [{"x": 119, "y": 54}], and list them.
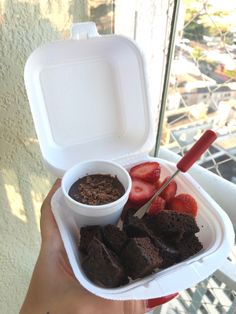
[{"x": 134, "y": 307}]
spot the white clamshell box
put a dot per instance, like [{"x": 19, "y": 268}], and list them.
[{"x": 89, "y": 100}]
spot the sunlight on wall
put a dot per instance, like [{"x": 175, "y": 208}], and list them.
[
  {"x": 15, "y": 202},
  {"x": 24, "y": 181},
  {"x": 58, "y": 13},
  {"x": 37, "y": 196},
  {"x": 14, "y": 197}
]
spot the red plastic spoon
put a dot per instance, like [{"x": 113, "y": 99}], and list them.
[{"x": 184, "y": 164}]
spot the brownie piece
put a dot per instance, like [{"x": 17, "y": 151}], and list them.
[
  {"x": 140, "y": 257},
  {"x": 189, "y": 247},
  {"x": 114, "y": 238},
  {"x": 171, "y": 224},
  {"x": 103, "y": 267},
  {"x": 127, "y": 212},
  {"x": 86, "y": 236},
  {"x": 136, "y": 227},
  {"x": 168, "y": 252},
  {"x": 141, "y": 247}
]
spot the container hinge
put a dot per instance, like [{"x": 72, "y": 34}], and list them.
[{"x": 83, "y": 30}]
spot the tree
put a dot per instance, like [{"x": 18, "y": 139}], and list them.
[
  {"x": 204, "y": 19},
  {"x": 197, "y": 53},
  {"x": 195, "y": 31}
]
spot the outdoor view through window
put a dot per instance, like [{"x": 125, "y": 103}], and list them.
[{"x": 202, "y": 91}]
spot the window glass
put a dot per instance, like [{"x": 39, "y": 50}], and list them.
[{"x": 203, "y": 75}]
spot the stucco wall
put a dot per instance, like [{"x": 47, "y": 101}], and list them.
[{"x": 24, "y": 181}]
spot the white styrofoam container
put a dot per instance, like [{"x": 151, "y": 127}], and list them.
[
  {"x": 216, "y": 234},
  {"x": 88, "y": 98}
]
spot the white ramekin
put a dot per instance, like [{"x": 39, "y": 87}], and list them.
[{"x": 96, "y": 214}]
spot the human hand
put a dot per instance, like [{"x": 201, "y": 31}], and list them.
[{"x": 54, "y": 289}]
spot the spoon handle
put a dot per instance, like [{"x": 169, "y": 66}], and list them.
[{"x": 196, "y": 150}]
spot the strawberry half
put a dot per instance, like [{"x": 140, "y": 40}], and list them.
[
  {"x": 169, "y": 192},
  {"x": 184, "y": 203},
  {"x": 157, "y": 205},
  {"x": 158, "y": 184},
  {"x": 141, "y": 191},
  {"x": 148, "y": 171}
]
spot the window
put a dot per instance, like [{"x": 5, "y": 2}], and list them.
[{"x": 205, "y": 54}]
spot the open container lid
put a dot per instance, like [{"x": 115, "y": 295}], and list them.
[{"x": 88, "y": 98}]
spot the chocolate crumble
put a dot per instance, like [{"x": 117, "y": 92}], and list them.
[{"x": 97, "y": 189}]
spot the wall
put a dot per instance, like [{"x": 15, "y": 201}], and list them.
[
  {"x": 24, "y": 25},
  {"x": 148, "y": 23}
]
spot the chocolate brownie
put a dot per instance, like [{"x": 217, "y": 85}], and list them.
[
  {"x": 97, "y": 189},
  {"x": 103, "y": 267},
  {"x": 168, "y": 251},
  {"x": 87, "y": 234},
  {"x": 171, "y": 224},
  {"x": 135, "y": 227},
  {"x": 189, "y": 247},
  {"x": 142, "y": 246},
  {"x": 140, "y": 257},
  {"x": 114, "y": 238}
]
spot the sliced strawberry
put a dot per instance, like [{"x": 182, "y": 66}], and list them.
[
  {"x": 141, "y": 191},
  {"x": 158, "y": 184},
  {"x": 157, "y": 205},
  {"x": 148, "y": 171},
  {"x": 184, "y": 203},
  {"x": 169, "y": 192}
]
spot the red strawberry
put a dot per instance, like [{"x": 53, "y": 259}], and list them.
[
  {"x": 148, "y": 171},
  {"x": 157, "y": 205},
  {"x": 169, "y": 192},
  {"x": 158, "y": 184},
  {"x": 184, "y": 203},
  {"x": 141, "y": 191}
]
